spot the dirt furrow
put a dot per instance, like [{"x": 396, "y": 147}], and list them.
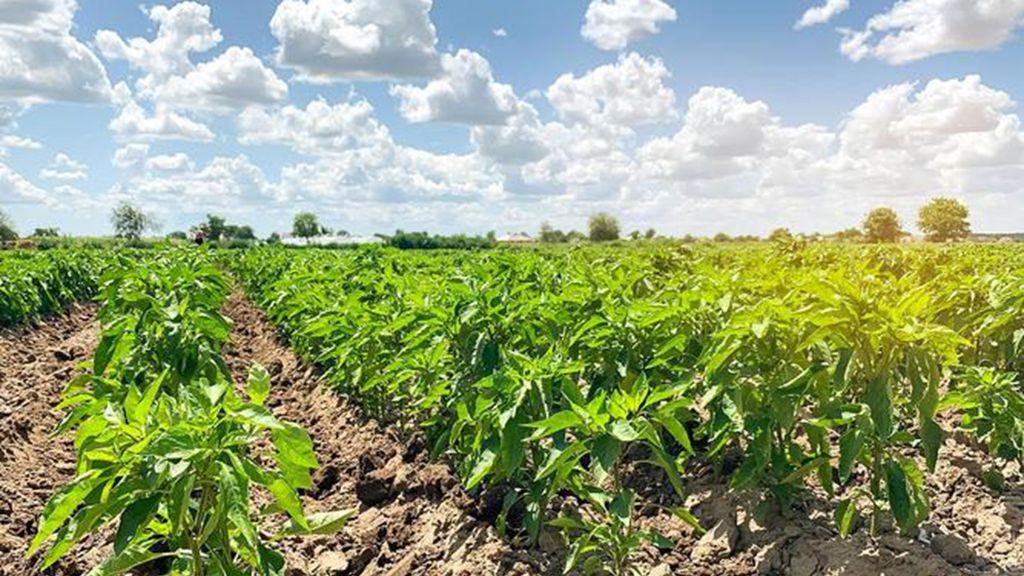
[
  {"x": 413, "y": 517},
  {"x": 35, "y": 364}
]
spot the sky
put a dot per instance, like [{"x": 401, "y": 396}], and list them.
[{"x": 688, "y": 116}]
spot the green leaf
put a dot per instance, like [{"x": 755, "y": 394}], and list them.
[
  {"x": 62, "y": 505},
  {"x": 285, "y": 496},
  {"x": 134, "y": 516},
  {"x": 605, "y": 452},
  {"x": 321, "y": 523},
  {"x": 258, "y": 384},
  {"x": 899, "y": 497},
  {"x": 131, "y": 557},
  {"x": 845, "y": 515},
  {"x": 556, "y": 423},
  {"x": 850, "y": 444}
]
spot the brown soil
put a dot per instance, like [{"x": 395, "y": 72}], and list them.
[
  {"x": 35, "y": 364},
  {"x": 414, "y": 519}
]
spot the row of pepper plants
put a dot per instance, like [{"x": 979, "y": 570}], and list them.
[
  {"x": 34, "y": 284},
  {"x": 165, "y": 439},
  {"x": 554, "y": 372}
]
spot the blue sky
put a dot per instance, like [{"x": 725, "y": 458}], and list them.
[{"x": 691, "y": 116}]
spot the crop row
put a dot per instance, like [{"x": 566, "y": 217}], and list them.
[
  {"x": 164, "y": 439},
  {"x": 542, "y": 373},
  {"x": 39, "y": 283}
]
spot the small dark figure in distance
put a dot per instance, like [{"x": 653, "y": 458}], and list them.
[{"x": 199, "y": 237}]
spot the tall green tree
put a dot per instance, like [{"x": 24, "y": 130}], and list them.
[
  {"x": 7, "y": 230},
  {"x": 944, "y": 219},
  {"x": 130, "y": 222},
  {"x": 883, "y": 225},
  {"x": 780, "y": 235},
  {"x": 306, "y": 225},
  {"x": 603, "y": 227}
]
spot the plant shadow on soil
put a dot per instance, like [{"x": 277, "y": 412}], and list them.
[{"x": 415, "y": 519}]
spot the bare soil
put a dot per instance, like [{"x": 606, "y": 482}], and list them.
[
  {"x": 414, "y": 519},
  {"x": 36, "y": 361}
]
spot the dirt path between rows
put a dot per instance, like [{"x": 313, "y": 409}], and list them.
[
  {"x": 413, "y": 517},
  {"x": 35, "y": 364}
]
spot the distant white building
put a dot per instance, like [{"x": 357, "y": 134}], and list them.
[
  {"x": 330, "y": 240},
  {"x": 514, "y": 239}
]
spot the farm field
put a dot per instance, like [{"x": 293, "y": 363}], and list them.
[{"x": 685, "y": 409}]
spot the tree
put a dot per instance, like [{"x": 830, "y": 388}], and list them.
[
  {"x": 722, "y": 237},
  {"x": 46, "y": 233},
  {"x": 849, "y": 234},
  {"x": 603, "y": 227},
  {"x": 550, "y": 235},
  {"x": 177, "y": 235},
  {"x": 780, "y": 235},
  {"x": 215, "y": 227},
  {"x": 634, "y": 235},
  {"x": 650, "y": 234},
  {"x": 944, "y": 219},
  {"x": 883, "y": 225},
  {"x": 131, "y": 222},
  {"x": 7, "y": 231},
  {"x": 306, "y": 225}
]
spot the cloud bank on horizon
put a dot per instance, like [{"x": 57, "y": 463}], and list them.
[{"x": 370, "y": 113}]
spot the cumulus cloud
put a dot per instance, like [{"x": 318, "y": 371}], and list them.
[
  {"x": 915, "y": 29},
  {"x": 948, "y": 136},
  {"x": 499, "y": 32},
  {"x": 40, "y": 61},
  {"x": 318, "y": 129},
  {"x": 465, "y": 93},
  {"x": 629, "y": 92},
  {"x": 134, "y": 123},
  {"x": 613, "y": 24},
  {"x": 519, "y": 141},
  {"x": 15, "y": 188},
  {"x": 64, "y": 168},
  {"x": 130, "y": 155},
  {"x": 19, "y": 142},
  {"x": 170, "y": 162},
  {"x": 182, "y": 30},
  {"x": 357, "y": 159},
  {"x": 231, "y": 81},
  {"x": 225, "y": 182},
  {"x": 330, "y": 40},
  {"x": 822, "y": 14}
]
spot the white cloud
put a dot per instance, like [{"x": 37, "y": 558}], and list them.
[
  {"x": 182, "y": 30},
  {"x": 499, "y": 32},
  {"x": 628, "y": 93},
  {"x": 64, "y": 168},
  {"x": 40, "y": 61},
  {"x": 916, "y": 29},
  {"x": 19, "y": 142},
  {"x": 15, "y": 188},
  {"x": 223, "y": 183},
  {"x": 233, "y": 80},
  {"x": 318, "y": 129},
  {"x": 613, "y": 24},
  {"x": 822, "y": 14},
  {"x": 950, "y": 136},
  {"x": 134, "y": 123},
  {"x": 130, "y": 155},
  {"x": 332, "y": 40},
  {"x": 465, "y": 93},
  {"x": 358, "y": 161},
  {"x": 519, "y": 141},
  {"x": 170, "y": 162}
]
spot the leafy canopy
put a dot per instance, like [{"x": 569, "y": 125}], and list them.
[
  {"x": 883, "y": 225},
  {"x": 603, "y": 227},
  {"x": 944, "y": 219}
]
